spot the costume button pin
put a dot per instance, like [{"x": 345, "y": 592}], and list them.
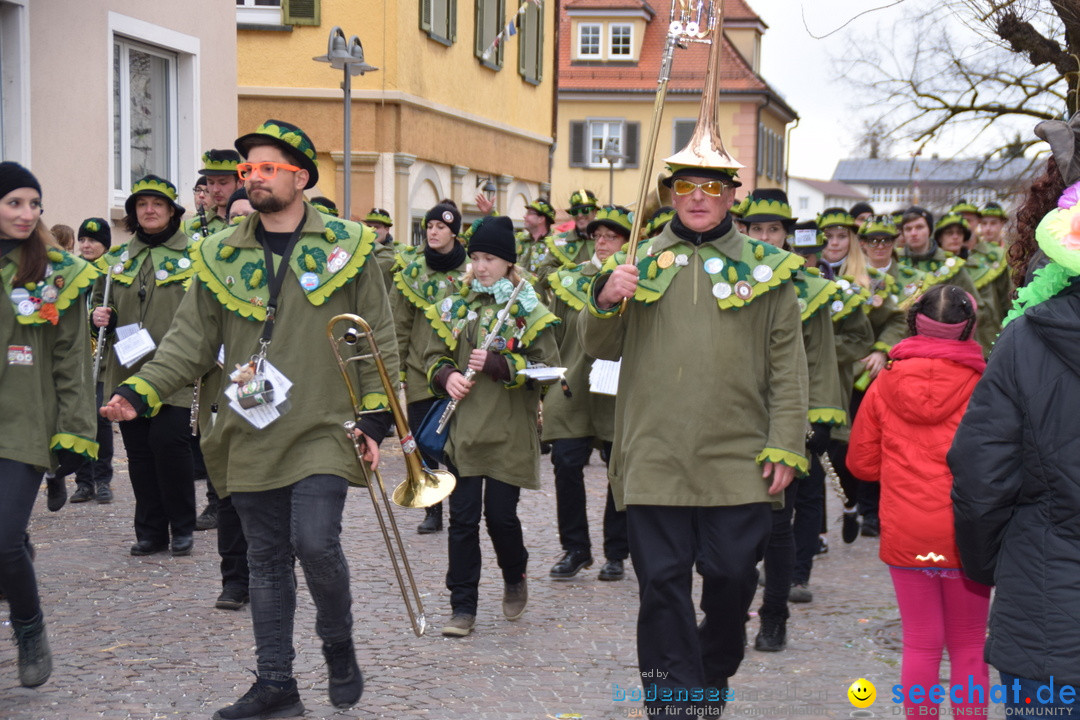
[
  {"x": 26, "y": 308},
  {"x": 161, "y": 275},
  {"x": 763, "y": 273},
  {"x": 837, "y": 306},
  {"x": 567, "y": 281},
  {"x": 950, "y": 262},
  {"x": 124, "y": 256},
  {"x": 471, "y": 316},
  {"x": 49, "y": 294},
  {"x": 743, "y": 290},
  {"x": 721, "y": 290},
  {"x": 666, "y": 259},
  {"x": 184, "y": 263},
  {"x": 714, "y": 265},
  {"x": 118, "y": 268},
  {"x": 844, "y": 284},
  {"x": 19, "y": 294},
  {"x": 682, "y": 259},
  {"x": 446, "y": 303},
  {"x": 876, "y": 301},
  {"x": 309, "y": 281}
]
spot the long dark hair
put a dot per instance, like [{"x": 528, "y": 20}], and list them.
[
  {"x": 1041, "y": 198},
  {"x": 947, "y": 304},
  {"x": 34, "y": 257}
]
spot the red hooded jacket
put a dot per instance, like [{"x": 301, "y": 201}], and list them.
[{"x": 902, "y": 432}]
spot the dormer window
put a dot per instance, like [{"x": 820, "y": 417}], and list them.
[
  {"x": 622, "y": 36},
  {"x": 589, "y": 40}
]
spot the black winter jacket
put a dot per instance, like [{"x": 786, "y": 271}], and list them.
[{"x": 1016, "y": 493}]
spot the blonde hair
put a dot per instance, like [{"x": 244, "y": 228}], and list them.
[
  {"x": 854, "y": 264},
  {"x": 513, "y": 275}
]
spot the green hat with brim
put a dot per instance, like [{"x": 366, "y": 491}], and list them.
[
  {"x": 219, "y": 162},
  {"x": 582, "y": 200},
  {"x": 293, "y": 141},
  {"x": 613, "y": 217},
  {"x": 543, "y": 207},
  {"x": 659, "y": 219},
  {"x": 963, "y": 207},
  {"x": 380, "y": 216},
  {"x": 156, "y": 186},
  {"x": 950, "y": 220},
  {"x": 879, "y": 226},
  {"x": 806, "y": 238},
  {"x": 768, "y": 205},
  {"x": 836, "y": 217},
  {"x": 992, "y": 209}
]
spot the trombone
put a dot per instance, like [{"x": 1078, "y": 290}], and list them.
[{"x": 422, "y": 487}]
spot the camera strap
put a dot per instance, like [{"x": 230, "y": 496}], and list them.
[{"x": 275, "y": 279}]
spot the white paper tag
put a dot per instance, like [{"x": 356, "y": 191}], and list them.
[
  {"x": 125, "y": 331},
  {"x": 262, "y": 415},
  {"x": 604, "y": 376},
  {"x": 134, "y": 347}
]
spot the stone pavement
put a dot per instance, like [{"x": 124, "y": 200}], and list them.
[{"x": 139, "y": 638}]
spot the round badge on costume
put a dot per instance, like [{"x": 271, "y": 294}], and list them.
[
  {"x": 118, "y": 268},
  {"x": 802, "y": 306},
  {"x": 184, "y": 263},
  {"x": 743, "y": 290},
  {"x": 161, "y": 275},
  {"x": 19, "y": 294},
  {"x": 714, "y": 265},
  {"x": 309, "y": 281},
  {"x": 446, "y": 304},
  {"x": 124, "y": 256},
  {"x": 876, "y": 301},
  {"x": 48, "y": 270},
  {"x": 844, "y": 284},
  {"x": 666, "y": 259},
  {"x": 498, "y": 344},
  {"x": 447, "y": 216},
  {"x": 837, "y": 306},
  {"x": 471, "y": 316},
  {"x": 763, "y": 273},
  {"x": 230, "y": 281},
  {"x": 950, "y": 262},
  {"x": 26, "y": 308},
  {"x": 721, "y": 290},
  {"x": 567, "y": 281},
  {"x": 682, "y": 260},
  {"x": 49, "y": 294}
]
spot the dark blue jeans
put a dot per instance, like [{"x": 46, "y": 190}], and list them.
[
  {"x": 310, "y": 510},
  {"x": 1030, "y": 689},
  {"x": 19, "y": 484}
]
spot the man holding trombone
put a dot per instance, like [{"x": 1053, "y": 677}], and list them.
[{"x": 265, "y": 290}]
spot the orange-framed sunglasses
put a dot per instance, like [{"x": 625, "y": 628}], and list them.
[{"x": 265, "y": 170}]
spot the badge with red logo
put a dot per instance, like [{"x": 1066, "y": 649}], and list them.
[{"x": 20, "y": 355}]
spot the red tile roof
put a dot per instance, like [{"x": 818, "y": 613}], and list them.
[
  {"x": 739, "y": 10},
  {"x": 688, "y": 66},
  {"x": 610, "y": 4}
]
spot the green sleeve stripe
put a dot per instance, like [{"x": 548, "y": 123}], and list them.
[
  {"x": 776, "y": 455},
  {"x": 374, "y": 401},
  {"x": 147, "y": 392},
  {"x": 827, "y": 416},
  {"x": 433, "y": 371},
  {"x": 75, "y": 443},
  {"x": 518, "y": 363}
]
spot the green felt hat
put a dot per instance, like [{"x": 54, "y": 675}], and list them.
[
  {"x": 659, "y": 219},
  {"x": 152, "y": 185},
  {"x": 950, "y": 220},
  {"x": 543, "y": 207},
  {"x": 220, "y": 162},
  {"x": 293, "y": 141},
  {"x": 992, "y": 209},
  {"x": 836, "y": 217},
  {"x": 768, "y": 205},
  {"x": 380, "y": 216},
  {"x": 879, "y": 225},
  {"x": 615, "y": 217},
  {"x": 582, "y": 200},
  {"x": 963, "y": 206}
]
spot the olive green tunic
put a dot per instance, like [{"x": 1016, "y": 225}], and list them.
[
  {"x": 585, "y": 413},
  {"x": 854, "y": 340},
  {"x": 193, "y": 228},
  {"x": 531, "y": 253},
  {"x": 814, "y": 295},
  {"x": 493, "y": 430},
  {"x": 417, "y": 287},
  {"x": 46, "y": 390},
  {"x": 709, "y": 388},
  {"x": 988, "y": 268},
  {"x": 162, "y": 274},
  {"x": 226, "y": 306},
  {"x": 563, "y": 250}
]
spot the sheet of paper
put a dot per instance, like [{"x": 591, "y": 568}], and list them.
[
  {"x": 126, "y": 331},
  {"x": 543, "y": 374},
  {"x": 134, "y": 347},
  {"x": 604, "y": 376},
  {"x": 262, "y": 415}
]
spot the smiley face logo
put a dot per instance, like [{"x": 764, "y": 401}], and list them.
[{"x": 862, "y": 693}]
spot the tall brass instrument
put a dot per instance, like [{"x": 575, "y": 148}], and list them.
[
  {"x": 422, "y": 487},
  {"x": 691, "y": 21}
]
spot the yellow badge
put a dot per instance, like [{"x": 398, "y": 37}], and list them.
[{"x": 666, "y": 259}]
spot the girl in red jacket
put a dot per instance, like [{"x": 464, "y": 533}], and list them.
[{"x": 900, "y": 437}]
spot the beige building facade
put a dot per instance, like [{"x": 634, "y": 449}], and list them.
[{"x": 97, "y": 93}]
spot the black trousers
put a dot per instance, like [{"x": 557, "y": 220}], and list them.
[
  {"x": 666, "y": 544},
  {"x": 497, "y": 502},
  {"x": 780, "y": 557},
  {"x": 232, "y": 546},
  {"x": 98, "y": 472},
  {"x": 159, "y": 462},
  {"x": 569, "y": 456},
  {"x": 809, "y": 516}
]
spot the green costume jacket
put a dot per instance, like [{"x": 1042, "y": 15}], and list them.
[
  {"x": 854, "y": 340},
  {"x": 531, "y": 254},
  {"x": 45, "y": 385},
  {"x": 910, "y": 283},
  {"x": 888, "y": 321},
  {"x": 493, "y": 430},
  {"x": 564, "y": 250},
  {"x": 226, "y": 305},
  {"x": 713, "y": 380},
  {"x": 989, "y": 270},
  {"x": 585, "y": 414},
  {"x": 193, "y": 228},
  {"x": 161, "y": 274},
  {"x": 814, "y": 296},
  {"x": 416, "y": 288}
]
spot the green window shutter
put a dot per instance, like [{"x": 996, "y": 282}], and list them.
[
  {"x": 451, "y": 19},
  {"x": 490, "y": 20},
  {"x": 631, "y": 134},
  {"x": 300, "y": 12},
  {"x": 578, "y": 128},
  {"x": 425, "y": 15},
  {"x": 531, "y": 48}
]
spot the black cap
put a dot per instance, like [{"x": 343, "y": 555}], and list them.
[
  {"x": 860, "y": 208},
  {"x": 14, "y": 176},
  {"x": 97, "y": 229},
  {"x": 915, "y": 212},
  {"x": 446, "y": 214},
  {"x": 495, "y": 236}
]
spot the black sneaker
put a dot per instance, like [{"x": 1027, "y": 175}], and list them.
[
  {"x": 572, "y": 562},
  {"x": 232, "y": 598},
  {"x": 871, "y": 526},
  {"x": 35, "y": 657},
  {"x": 850, "y": 528},
  {"x": 346, "y": 678},
  {"x": 57, "y": 491},
  {"x": 432, "y": 520},
  {"x": 772, "y": 637},
  {"x": 103, "y": 495},
  {"x": 82, "y": 494},
  {"x": 264, "y": 701},
  {"x": 207, "y": 519}
]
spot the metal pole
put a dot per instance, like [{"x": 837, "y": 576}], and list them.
[
  {"x": 347, "y": 202},
  {"x": 611, "y": 181}
]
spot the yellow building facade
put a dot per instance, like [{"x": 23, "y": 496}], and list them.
[
  {"x": 609, "y": 65},
  {"x": 440, "y": 118}
]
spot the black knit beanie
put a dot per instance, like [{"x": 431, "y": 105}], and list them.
[
  {"x": 495, "y": 236},
  {"x": 96, "y": 229},
  {"x": 447, "y": 214},
  {"x": 14, "y": 176}
]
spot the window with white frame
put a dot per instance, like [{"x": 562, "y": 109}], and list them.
[
  {"x": 258, "y": 12},
  {"x": 621, "y": 38},
  {"x": 144, "y": 112},
  {"x": 14, "y": 82},
  {"x": 601, "y": 132},
  {"x": 589, "y": 40}
]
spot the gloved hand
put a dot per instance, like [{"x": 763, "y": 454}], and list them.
[
  {"x": 69, "y": 462},
  {"x": 818, "y": 440}
]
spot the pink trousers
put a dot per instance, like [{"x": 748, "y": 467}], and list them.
[{"x": 942, "y": 610}]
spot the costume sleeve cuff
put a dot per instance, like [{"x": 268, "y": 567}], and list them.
[
  {"x": 376, "y": 426},
  {"x": 436, "y": 377},
  {"x": 146, "y": 392},
  {"x": 75, "y": 443},
  {"x": 776, "y": 455},
  {"x": 516, "y": 363},
  {"x": 598, "y": 284},
  {"x": 882, "y": 347},
  {"x": 827, "y": 416}
]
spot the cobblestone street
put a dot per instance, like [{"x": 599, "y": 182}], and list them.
[{"x": 139, "y": 638}]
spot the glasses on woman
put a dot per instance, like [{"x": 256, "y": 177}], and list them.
[
  {"x": 878, "y": 241},
  {"x": 714, "y": 188},
  {"x": 265, "y": 170},
  {"x": 606, "y": 236}
]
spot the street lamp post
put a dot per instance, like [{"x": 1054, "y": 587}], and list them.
[
  {"x": 612, "y": 155},
  {"x": 349, "y": 57}
]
